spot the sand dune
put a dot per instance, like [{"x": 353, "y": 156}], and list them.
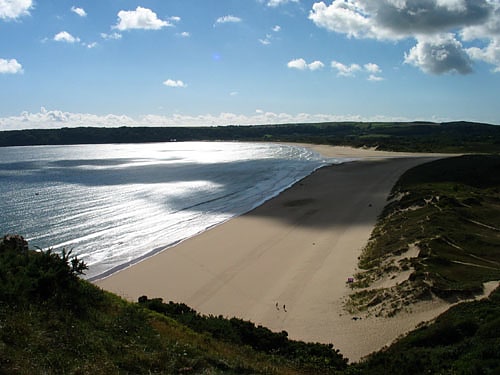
[{"x": 285, "y": 264}]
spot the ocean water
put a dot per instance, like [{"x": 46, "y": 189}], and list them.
[{"x": 116, "y": 204}]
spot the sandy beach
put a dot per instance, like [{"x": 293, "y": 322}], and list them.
[{"x": 285, "y": 264}]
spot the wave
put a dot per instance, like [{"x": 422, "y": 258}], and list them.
[{"x": 113, "y": 210}]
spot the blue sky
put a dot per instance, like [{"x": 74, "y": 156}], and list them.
[{"x": 67, "y": 63}]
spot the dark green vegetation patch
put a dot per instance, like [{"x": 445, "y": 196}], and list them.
[
  {"x": 392, "y": 136},
  {"x": 52, "y": 322},
  {"x": 464, "y": 340},
  {"x": 449, "y": 210}
]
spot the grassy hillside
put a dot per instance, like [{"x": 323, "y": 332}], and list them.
[
  {"x": 448, "y": 211},
  {"x": 52, "y": 322},
  {"x": 413, "y": 136},
  {"x": 464, "y": 340}
]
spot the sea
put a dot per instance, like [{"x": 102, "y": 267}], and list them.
[{"x": 113, "y": 205}]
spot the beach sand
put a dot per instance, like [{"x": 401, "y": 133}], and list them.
[{"x": 285, "y": 264}]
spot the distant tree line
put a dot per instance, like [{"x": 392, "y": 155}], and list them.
[{"x": 395, "y": 136}]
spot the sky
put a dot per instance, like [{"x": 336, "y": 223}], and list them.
[{"x": 67, "y": 63}]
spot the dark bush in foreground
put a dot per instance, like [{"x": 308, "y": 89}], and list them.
[{"x": 242, "y": 332}]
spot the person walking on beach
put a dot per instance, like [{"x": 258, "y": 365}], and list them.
[{"x": 277, "y": 306}]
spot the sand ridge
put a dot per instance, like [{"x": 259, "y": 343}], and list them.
[{"x": 285, "y": 264}]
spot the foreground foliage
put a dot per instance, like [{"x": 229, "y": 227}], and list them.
[
  {"x": 240, "y": 332},
  {"x": 464, "y": 340},
  {"x": 52, "y": 322}
]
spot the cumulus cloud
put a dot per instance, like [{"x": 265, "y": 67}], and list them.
[
  {"x": 429, "y": 22},
  {"x": 316, "y": 65},
  {"x": 302, "y": 64},
  {"x": 45, "y": 119},
  {"x": 140, "y": 18},
  {"x": 112, "y": 36},
  {"x": 397, "y": 19},
  {"x": 12, "y": 9},
  {"x": 228, "y": 19},
  {"x": 174, "y": 83},
  {"x": 439, "y": 54},
  {"x": 269, "y": 37},
  {"x": 345, "y": 70},
  {"x": 372, "y": 68},
  {"x": 66, "y": 37},
  {"x": 80, "y": 11},
  {"x": 10, "y": 66},
  {"x": 276, "y": 3},
  {"x": 490, "y": 54},
  {"x": 346, "y": 17},
  {"x": 266, "y": 41}
]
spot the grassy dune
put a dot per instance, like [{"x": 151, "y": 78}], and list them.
[{"x": 448, "y": 211}]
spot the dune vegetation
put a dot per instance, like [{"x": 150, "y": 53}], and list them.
[{"x": 441, "y": 228}]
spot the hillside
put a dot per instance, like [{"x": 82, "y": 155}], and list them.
[
  {"x": 52, "y": 322},
  {"x": 415, "y": 136},
  {"x": 441, "y": 229}
]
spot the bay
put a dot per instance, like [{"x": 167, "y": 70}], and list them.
[{"x": 115, "y": 204}]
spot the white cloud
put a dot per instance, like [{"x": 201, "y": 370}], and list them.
[
  {"x": 302, "y": 64},
  {"x": 64, "y": 36},
  {"x": 185, "y": 34},
  {"x": 275, "y": 3},
  {"x": 113, "y": 36},
  {"x": 228, "y": 19},
  {"x": 315, "y": 65},
  {"x": 375, "y": 78},
  {"x": 141, "y": 18},
  {"x": 439, "y": 54},
  {"x": 372, "y": 68},
  {"x": 346, "y": 17},
  {"x": 266, "y": 41},
  {"x": 489, "y": 54},
  {"x": 45, "y": 119},
  {"x": 80, "y": 11},
  {"x": 10, "y": 66},
  {"x": 345, "y": 70},
  {"x": 174, "y": 83},
  {"x": 269, "y": 37},
  {"x": 175, "y": 19},
  {"x": 424, "y": 21},
  {"x": 12, "y": 9}
]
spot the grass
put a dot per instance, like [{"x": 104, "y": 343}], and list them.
[
  {"x": 463, "y": 340},
  {"x": 52, "y": 322},
  {"x": 450, "y": 210}
]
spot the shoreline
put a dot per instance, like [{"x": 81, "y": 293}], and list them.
[
  {"x": 295, "y": 250},
  {"x": 160, "y": 249}
]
